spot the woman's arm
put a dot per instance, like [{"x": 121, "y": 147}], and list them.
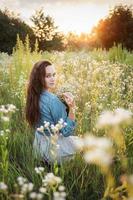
[
  {"x": 71, "y": 113},
  {"x": 69, "y": 99}
]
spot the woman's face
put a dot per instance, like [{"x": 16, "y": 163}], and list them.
[{"x": 50, "y": 77}]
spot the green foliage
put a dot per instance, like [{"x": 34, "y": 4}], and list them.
[
  {"x": 116, "y": 27},
  {"x": 46, "y": 32},
  {"x": 10, "y": 26},
  {"x": 101, "y": 80}
]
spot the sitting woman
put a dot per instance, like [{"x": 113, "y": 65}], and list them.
[{"x": 45, "y": 109}]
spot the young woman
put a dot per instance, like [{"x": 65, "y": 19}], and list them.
[{"x": 42, "y": 105}]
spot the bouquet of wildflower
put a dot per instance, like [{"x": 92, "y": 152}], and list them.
[{"x": 60, "y": 95}]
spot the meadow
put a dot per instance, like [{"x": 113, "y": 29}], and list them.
[{"x": 100, "y": 81}]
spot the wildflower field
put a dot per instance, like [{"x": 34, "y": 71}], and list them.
[{"x": 102, "y": 84}]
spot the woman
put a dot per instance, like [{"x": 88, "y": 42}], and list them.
[{"x": 44, "y": 106}]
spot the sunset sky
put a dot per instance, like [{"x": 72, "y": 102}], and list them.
[{"x": 69, "y": 15}]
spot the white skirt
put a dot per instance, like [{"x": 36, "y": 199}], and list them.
[{"x": 55, "y": 148}]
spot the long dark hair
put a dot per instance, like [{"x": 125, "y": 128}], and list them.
[{"x": 35, "y": 86}]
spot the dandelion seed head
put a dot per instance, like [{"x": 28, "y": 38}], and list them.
[
  {"x": 63, "y": 194},
  {"x": 39, "y": 196},
  {"x": 3, "y": 186},
  {"x": 5, "y": 119},
  {"x": 109, "y": 118},
  {"x": 39, "y": 170},
  {"x": 42, "y": 189},
  {"x": 33, "y": 195},
  {"x": 51, "y": 179},
  {"x": 95, "y": 156},
  {"x": 21, "y": 180},
  {"x": 61, "y": 188},
  {"x": 56, "y": 194}
]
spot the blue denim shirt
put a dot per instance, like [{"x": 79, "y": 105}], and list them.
[{"x": 52, "y": 110}]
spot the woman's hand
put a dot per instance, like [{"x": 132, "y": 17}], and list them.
[{"x": 69, "y": 98}]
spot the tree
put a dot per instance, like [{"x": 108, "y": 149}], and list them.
[
  {"x": 46, "y": 32},
  {"x": 116, "y": 28},
  {"x": 10, "y": 26}
]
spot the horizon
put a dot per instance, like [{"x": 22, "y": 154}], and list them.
[{"x": 66, "y": 14}]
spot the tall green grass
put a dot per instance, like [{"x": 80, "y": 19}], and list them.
[{"x": 99, "y": 79}]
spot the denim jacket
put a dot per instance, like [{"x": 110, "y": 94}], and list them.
[{"x": 52, "y": 110}]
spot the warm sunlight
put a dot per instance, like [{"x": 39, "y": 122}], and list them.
[
  {"x": 79, "y": 18},
  {"x": 66, "y": 99},
  {"x": 75, "y": 16}
]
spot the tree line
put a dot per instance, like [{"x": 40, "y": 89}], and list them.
[{"x": 116, "y": 28}]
